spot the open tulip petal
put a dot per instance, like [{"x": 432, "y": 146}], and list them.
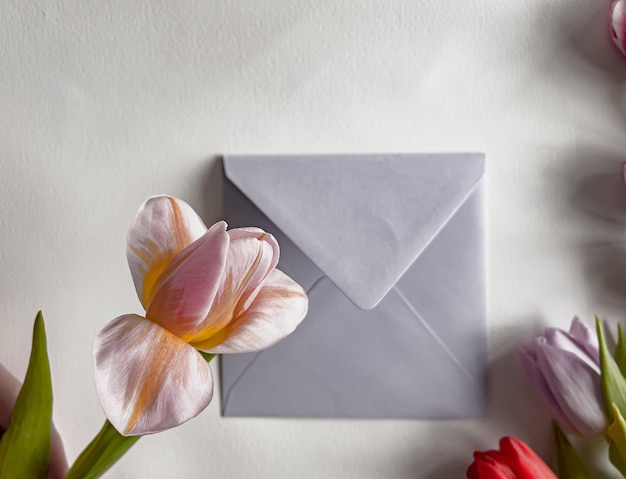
[
  {"x": 576, "y": 388},
  {"x": 252, "y": 232},
  {"x": 164, "y": 226},
  {"x": 148, "y": 379},
  {"x": 251, "y": 257},
  {"x": 278, "y": 308},
  {"x": 190, "y": 283}
]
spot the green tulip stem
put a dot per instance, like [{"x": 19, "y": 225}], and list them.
[
  {"x": 101, "y": 453},
  {"x": 106, "y": 449}
]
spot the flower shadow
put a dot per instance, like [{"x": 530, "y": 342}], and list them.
[
  {"x": 597, "y": 202},
  {"x": 589, "y": 35},
  {"x": 602, "y": 195},
  {"x": 587, "y": 56},
  {"x": 605, "y": 262}
]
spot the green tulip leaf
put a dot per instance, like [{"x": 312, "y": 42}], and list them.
[
  {"x": 568, "y": 463},
  {"x": 620, "y": 350},
  {"x": 616, "y": 436},
  {"x": 613, "y": 383},
  {"x": 25, "y": 446}
]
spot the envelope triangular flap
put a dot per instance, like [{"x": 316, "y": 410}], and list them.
[{"x": 363, "y": 219}]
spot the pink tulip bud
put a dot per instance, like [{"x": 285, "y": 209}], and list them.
[{"x": 617, "y": 21}]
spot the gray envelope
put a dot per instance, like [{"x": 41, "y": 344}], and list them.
[{"x": 390, "y": 249}]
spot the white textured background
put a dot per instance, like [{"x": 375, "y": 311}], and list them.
[{"x": 103, "y": 104}]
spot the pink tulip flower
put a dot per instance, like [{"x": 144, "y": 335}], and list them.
[
  {"x": 617, "y": 21},
  {"x": 211, "y": 290}
]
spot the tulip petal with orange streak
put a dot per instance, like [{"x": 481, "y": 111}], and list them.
[
  {"x": 250, "y": 259},
  {"x": 163, "y": 227},
  {"x": 187, "y": 288},
  {"x": 276, "y": 311},
  {"x": 148, "y": 379}
]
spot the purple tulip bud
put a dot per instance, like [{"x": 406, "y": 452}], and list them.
[{"x": 565, "y": 368}]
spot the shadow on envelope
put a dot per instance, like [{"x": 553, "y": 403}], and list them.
[{"x": 396, "y": 325}]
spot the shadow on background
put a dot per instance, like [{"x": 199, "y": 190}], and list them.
[
  {"x": 583, "y": 31},
  {"x": 587, "y": 31},
  {"x": 211, "y": 182},
  {"x": 605, "y": 268},
  {"x": 588, "y": 34},
  {"x": 595, "y": 195},
  {"x": 602, "y": 195}
]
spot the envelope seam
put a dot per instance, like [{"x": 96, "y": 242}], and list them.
[
  {"x": 387, "y": 285},
  {"x": 442, "y": 227},
  {"x": 432, "y": 332}
]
